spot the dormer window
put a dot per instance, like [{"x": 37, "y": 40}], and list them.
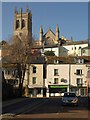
[
  {"x": 80, "y": 60},
  {"x": 56, "y": 61}
]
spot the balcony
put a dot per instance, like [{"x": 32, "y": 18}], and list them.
[
  {"x": 79, "y": 74},
  {"x": 79, "y": 84},
  {"x": 56, "y": 74}
]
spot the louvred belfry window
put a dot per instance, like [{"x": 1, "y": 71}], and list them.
[
  {"x": 23, "y": 23},
  {"x": 17, "y": 24}
]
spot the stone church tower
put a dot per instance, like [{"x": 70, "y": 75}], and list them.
[{"x": 23, "y": 23}]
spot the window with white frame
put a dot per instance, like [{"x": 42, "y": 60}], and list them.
[
  {"x": 83, "y": 51},
  {"x": 34, "y": 69},
  {"x": 55, "y": 80},
  {"x": 55, "y": 72},
  {"x": 79, "y": 47},
  {"x": 34, "y": 80},
  {"x": 13, "y": 73},
  {"x": 79, "y": 71},
  {"x": 79, "y": 81},
  {"x": 17, "y": 24},
  {"x": 23, "y": 23},
  {"x": 7, "y": 72}
]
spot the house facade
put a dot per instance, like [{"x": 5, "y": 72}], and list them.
[
  {"x": 79, "y": 79},
  {"x": 57, "y": 79},
  {"x": 86, "y": 51},
  {"x": 68, "y": 49},
  {"x": 66, "y": 77},
  {"x": 35, "y": 80},
  {"x": 11, "y": 75},
  {"x": 74, "y": 48},
  {"x": 52, "y": 79}
]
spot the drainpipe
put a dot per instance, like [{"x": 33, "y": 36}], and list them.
[
  {"x": 88, "y": 82},
  {"x": 69, "y": 77}
]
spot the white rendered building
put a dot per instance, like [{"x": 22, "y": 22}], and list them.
[
  {"x": 66, "y": 77},
  {"x": 61, "y": 46}
]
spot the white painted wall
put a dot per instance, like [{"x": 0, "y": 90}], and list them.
[
  {"x": 86, "y": 52},
  {"x": 72, "y": 51},
  {"x": 38, "y": 75},
  {"x": 67, "y": 49},
  {"x": 74, "y": 76},
  {"x": 51, "y": 49},
  {"x": 64, "y": 73}
]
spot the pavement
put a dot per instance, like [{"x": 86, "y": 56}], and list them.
[{"x": 72, "y": 114}]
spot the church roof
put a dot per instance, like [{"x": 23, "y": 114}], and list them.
[
  {"x": 49, "y": 37},
  {"x": 49, "y": 31}
]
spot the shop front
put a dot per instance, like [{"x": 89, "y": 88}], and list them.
[
  {"x": 37, "y": 92},
  {"x": 80, "y": 91},
  {"x": 57, "y": 90}
]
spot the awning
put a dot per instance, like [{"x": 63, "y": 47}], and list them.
[{"x": 58, "y": 86}]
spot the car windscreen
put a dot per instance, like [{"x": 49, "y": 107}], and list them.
[{"x": 69, "y": 95}]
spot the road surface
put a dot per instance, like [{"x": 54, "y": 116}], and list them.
[{"x": 49, "y": 108}]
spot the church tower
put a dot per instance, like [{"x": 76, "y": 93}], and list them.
[
  {"x": 23, "y": 23},
  {"x": 57, "y": 33}
]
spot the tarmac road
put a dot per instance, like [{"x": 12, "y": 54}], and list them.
[{"x": 46, "y": 108}]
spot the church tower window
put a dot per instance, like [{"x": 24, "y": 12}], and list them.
[
  {"x": 17, "y": 24},
  {"x": 23, "y": 23}
]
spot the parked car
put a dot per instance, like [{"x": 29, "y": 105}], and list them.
[{"x": 69, "y": 98}]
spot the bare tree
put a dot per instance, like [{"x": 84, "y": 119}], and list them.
[{"x": 19, "y": 51}]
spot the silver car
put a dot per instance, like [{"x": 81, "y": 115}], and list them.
[{"x": 69, "y": 98}]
